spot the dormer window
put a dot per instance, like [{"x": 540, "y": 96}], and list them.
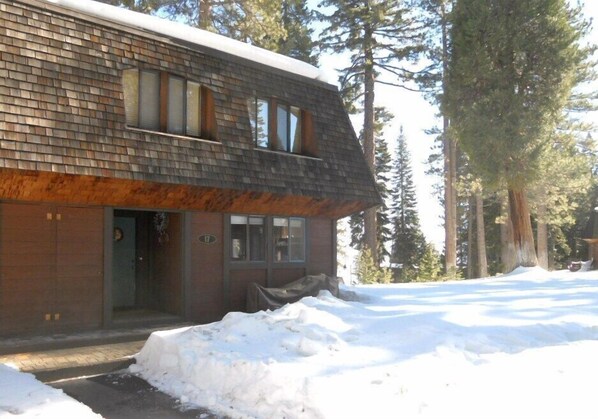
[
  {"x": 280, "y": 126},
  {"x": 163, "y": 102}
]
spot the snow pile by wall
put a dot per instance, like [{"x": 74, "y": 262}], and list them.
[{"x": 521, "y": 345}]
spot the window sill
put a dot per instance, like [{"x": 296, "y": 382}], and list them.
[
  {"x": 168, "y": 134},
  {"x": 286, "y": 153}
]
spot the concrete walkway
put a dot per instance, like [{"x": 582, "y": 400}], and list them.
[
  {"x": 59, "y": 364},
  {"x": 85, "y": 354}
]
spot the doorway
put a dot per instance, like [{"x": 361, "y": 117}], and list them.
[{"x": 146, "y": 267}]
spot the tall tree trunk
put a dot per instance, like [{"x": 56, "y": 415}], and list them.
[
  {"x": 542, "y": 237},
  {"x": 481, "y": 236},
  {"x": 470, "y": 239},
  {"x": 205, "y": 10},
  {"x": 523, "y": 235},
  {"x": 450, "y": 165},
  {"x": 507, "y": 249},
  {"x": 369, "y": 224}
]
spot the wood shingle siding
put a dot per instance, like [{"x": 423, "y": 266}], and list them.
[{"x": 64, "y": 138}]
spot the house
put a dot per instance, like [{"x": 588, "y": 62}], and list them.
[
  {"x": 590, "y": 236},
  {"x": 149, "y": 170}
]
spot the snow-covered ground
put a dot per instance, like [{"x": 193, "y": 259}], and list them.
[
  {"x": 22, "y": 396},
  {"x": 522, "y": 345}
]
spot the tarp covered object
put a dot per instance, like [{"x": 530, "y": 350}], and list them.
[{"x": 262, "y": 298}]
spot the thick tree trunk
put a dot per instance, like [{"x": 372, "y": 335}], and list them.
[
  {"x": 542, "y": 237},
  {"x": 471, "y": 257},
  {"x": 523, "y": 235},
  {"x": 450, "y": 166},
  {"x": 507, "y": 249},
  {"x": 205, "y": 11},
  {"x": 481, "y": 236},
  {"x": 450, "y": 198},
  {"x": 369, "y": 224}
]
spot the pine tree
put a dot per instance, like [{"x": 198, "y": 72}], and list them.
[
  {"x": 408, "y": 239},
  {"x": 383, "y": 169},
  {"x": 512, "y": 69},
  {"x": 434, "y": 82},
  {"x": 279, "y": 26},
  {"x": 430, "y": 268},
  {"x": 369, "y": 272},
  {"x": 555, "y": 203},
  {"x": 298, "y": 41},
  {"x": 379, "y": 35}
]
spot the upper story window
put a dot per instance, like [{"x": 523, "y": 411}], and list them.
[
  {"x": 159, "y": 101},
  {"x": 281, "y": 127}
]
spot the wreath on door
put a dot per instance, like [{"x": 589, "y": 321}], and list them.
[{"x": 161, "y": 225}]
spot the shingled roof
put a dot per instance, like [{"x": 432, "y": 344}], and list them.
[{"x": 64, "y": 136}]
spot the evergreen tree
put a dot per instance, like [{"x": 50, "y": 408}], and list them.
[
  {"x": 555, "y": 203},
  {"x": 298, "y": 42},
  {"x": 408, "y": 240},
  {"x": 512, "y": 69},
  {"x": 434, "y": 82},
  {"x": 369, "y": 272},
  {"x": 379, "y": 35},
  {"x": 276, "y": 25},
  {"x": 430, "y": 268},
  {"x": 383, "y": 169}
]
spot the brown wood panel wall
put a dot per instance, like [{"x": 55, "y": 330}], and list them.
[
  {"x": 79, "y": 268},
  {"x": 27, "y": 267},
  {"x": 239, "y": 282},
  {"x": 206, "y": 297},
  {"x": 51, "y": 263},
  {"x": 321, "y": 247},
  {"x": 168, "y": 267}
]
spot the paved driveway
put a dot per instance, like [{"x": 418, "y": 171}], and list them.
[{"x": 122, "y": 395}]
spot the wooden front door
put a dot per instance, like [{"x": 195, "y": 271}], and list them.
[{"x": 51, "y": 268}]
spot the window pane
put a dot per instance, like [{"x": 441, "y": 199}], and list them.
[
  {"x": 131, "y": 96},
  {"x": 176, "y": 105},
  {"x": 261, "y": 124},
  {"x": 252, "y": 111},
  {"x": 297, "y": 239},
  {"x": 257, "y": 238},
  {"x": 238, "y": 219},
  {"x": 282, "y": 128},
  {"x": 280, "y": 234},
  {"x": 238, "y": 232},
  {"x": 193, "y": 109},
  {"x": 295, "y": 129},
  {"x": 149, "y": 98}
]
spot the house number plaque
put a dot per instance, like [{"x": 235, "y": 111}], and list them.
[{"x": 207, "y": 239}]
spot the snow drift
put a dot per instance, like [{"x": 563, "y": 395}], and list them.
[{"x": 522, "y": 345}]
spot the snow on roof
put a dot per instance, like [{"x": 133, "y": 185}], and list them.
[{"x": 193, "y": 35}]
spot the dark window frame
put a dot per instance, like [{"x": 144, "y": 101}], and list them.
[
  {"x": 307, "y": 147},
  {"x": 247, "y": 256},
  {"x": 269, "y": 245},
  {"x": 206, "y": 114},
  {"x": 289, "y": 244}
]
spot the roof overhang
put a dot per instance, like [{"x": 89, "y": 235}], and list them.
[{"x": 61, "y": 188}]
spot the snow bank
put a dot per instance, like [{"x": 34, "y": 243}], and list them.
[
  {"x": 193, "y": 35},
  {"x": 21, "y": 395},
  {"x": 521, "y": 345}
]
